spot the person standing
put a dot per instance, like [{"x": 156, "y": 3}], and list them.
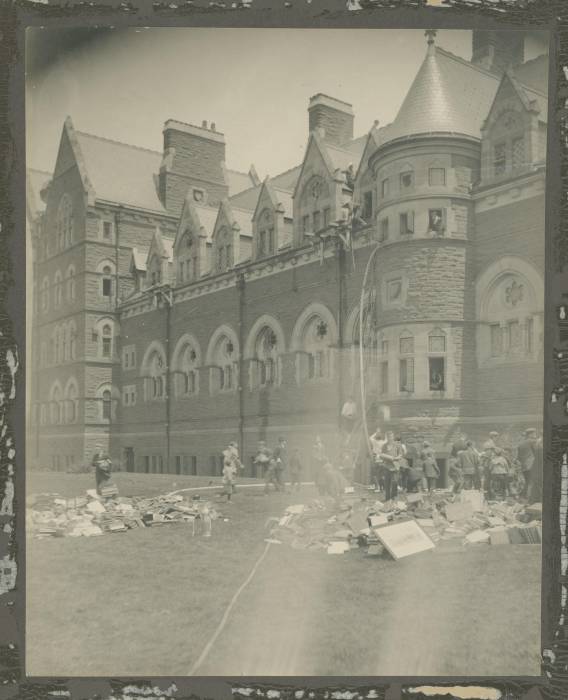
[
  {"x": 348, "y": 418},
  {"x": 526, "y": 454},
  {"x": 318, "y": 460},
  {"x": 488, "y": 451},
  {"x": 295, "y": 469},
  {"x": 499, "y": 469},
  {"x": 231, "y": 466},
  {"x": 468, "y": 461},
  {"x": 103, "y": 468},
  {"x": 431, "y": 469},
  {"x": 459, "y": 445},
  {"x": 455, "y": 473},
  {"x": 391, "y": 456},
  {"x": 377, "y": 442},
  {"x": 404, "y": 466},
  {"x": 281, "y": 457},
  {"x": 270, "y": 475},
  {"x": 261, "y": 459}
]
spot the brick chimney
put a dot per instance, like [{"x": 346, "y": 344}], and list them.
[
  {"x": 194, "y": 158},
  {"x": 497, "y": 50},
  {"x": 335, "y": 117}
]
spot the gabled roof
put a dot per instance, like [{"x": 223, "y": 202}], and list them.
[
  {"x": 163, "y": 246},
  {"x": 448, "y": 95},
  {"x": 241, "y": 217},
  {"x": 207, "y": 217},
  {"x": 534, "y": 73},
  {"x": 121, "y": 173},
  {"x": 285, "y": 199}
]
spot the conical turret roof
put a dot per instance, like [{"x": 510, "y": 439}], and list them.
[{"x": 448, "y": 95}]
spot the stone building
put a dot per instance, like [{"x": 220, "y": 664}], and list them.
[{"x": 179, "y": 305}]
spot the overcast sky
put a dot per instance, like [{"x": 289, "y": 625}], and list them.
[{"x": 253, "y": 83}]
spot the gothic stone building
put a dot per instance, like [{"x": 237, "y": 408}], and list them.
[{"x": 179, "y": 305}]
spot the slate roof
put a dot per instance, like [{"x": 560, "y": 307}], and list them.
[
  {"x": 246, "y": 199},
  {"x": 121, "y": 173},
  {"x": 243, "y": 217},
  {"x": 285, "y": 199},
  {"x": 287, "y": 180},
  {"x": 447, "y": 95},
  {"x": 238, "y": 181},
  {"x": 534, "y": 74},
  {"x": 207, "y": 218}
]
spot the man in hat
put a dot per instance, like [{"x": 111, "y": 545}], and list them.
[
  {"x": 468, "y": 462},
  {"x": 103, "y": 466},
  {"x": 526, "y": 455}
]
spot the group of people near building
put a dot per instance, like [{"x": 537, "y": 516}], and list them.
[{"x": 498, "y": 470}]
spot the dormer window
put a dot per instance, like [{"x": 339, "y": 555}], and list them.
[{"x": 518, "y": 153}]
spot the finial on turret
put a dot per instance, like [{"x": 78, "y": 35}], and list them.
[{"x": 431, "y": 34}]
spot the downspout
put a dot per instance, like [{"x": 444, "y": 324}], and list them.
[
  {"x": 169, "y": 301},
  {"x": 118, "y": 338},
  {"x": 340, "y": 315},
  {"x": 242, "y": 302}
]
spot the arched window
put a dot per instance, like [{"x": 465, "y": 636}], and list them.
[
  {"x": 406, "y": 362},
  {"x": 106, "y": 282},
  {"x": 107, "y": 405},
  {"x": 154, "y": 372},
  {"x": 45, "y": 294},
  {"x": 224, "y": 246},
  {"x": 58, "y": 289},
  {"x": 71, "y": 394},
  {"x": 265, "y": 365},
  {"x": 43, "y": 360},
  {"x": 510, "y": 305},
  {"x": 224, "y": 358},
  {"x": 64, "y": 343},
  {"x": 64, "y": 222},
  {"x": 106, "y": 341},
  {"x": 70, "y": 276},
  {"x": 43, "y": 414},
  {"x": 55, "y": 405},
  {"x": 188, "y": 259},
  {"x": 265, "y": 243},
  {"x": 437, "y": 360},
  {"x": 315, "y": 205},
  {"x": 56, "y": 340},
  {"x": 72, "y": 340},
  {"x": 188, "y": 379},
  {"x": 315, "y": 361}
]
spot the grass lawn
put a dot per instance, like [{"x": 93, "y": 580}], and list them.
[{"x": 147, "y": 601}]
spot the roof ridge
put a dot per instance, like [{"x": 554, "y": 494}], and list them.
[
  {"x": 119, "y": 143},
  {"x": 246, "y": 211},
  {"x": 465, "y": 62},
  {"x": 285, "y": 172},
  {"x": 38, "y": 170},
  {"x": 248, "y": 189},
  {"x": 529, "y": 87}
]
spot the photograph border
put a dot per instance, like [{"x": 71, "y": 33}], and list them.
[{"x": 15, "y": 16}]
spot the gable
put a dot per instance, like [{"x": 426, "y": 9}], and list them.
[
  {"x": 65, "y": 155},
  {"x": 315, "y": 163}
]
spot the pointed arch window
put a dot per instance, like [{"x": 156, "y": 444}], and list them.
[
  {"x": 224, "y": 371},
  {"x": 106, "y": 341},
  {"x": 70, "y": 283},
  {"x": 315, "y": 357},
  {"x": 155, "y": 380},
  {"x": 71, "y": 404},
  {"x": 188, "y": 373},
  {"x": 45, "y": 294},
  {"x": 56, "y": 405},
  {"x": 64, "y": 222},
  {"x": 106, "y": 282},
  {"x": 72, "y": 340},
  {"x": 107, "y": 405},
  {"x": 58, "y": 290},
  {"x": 266, "y": 362}
]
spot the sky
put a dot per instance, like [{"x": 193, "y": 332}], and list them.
[{"x": 254, "y": 84}]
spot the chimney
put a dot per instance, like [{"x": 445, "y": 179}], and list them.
[
  {"x": 497, "y": 51},
  {"x": 194, "y": 158},
  {"x": 334, "y": 116}
]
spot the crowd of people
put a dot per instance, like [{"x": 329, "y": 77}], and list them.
[{"x": 495, "y": 468}]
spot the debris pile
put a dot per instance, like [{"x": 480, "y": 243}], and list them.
[
  {"x": 359, "y": 521},
  {"x": 50, "y": 515}
]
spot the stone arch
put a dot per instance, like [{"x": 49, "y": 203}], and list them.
[
  {"x": 219, "y": 332},
  {"x": 259, "y": 324},
  {"x": 494, "y": 273},
  {"x": 185, "y": 340},
  {"x": 314, "y": 309},
  {"x": 155, "y": 347}
]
